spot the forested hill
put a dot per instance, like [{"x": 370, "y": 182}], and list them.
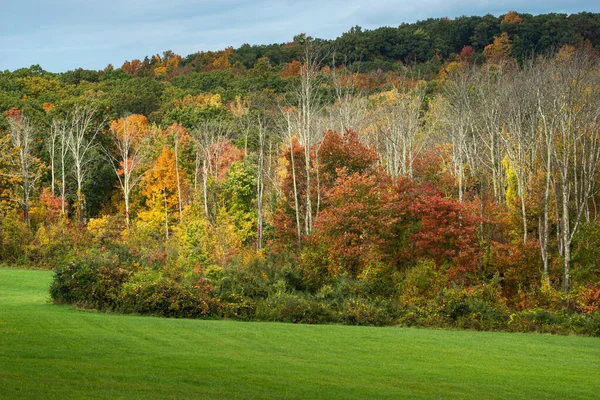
[{"x": 429, "y": 41}]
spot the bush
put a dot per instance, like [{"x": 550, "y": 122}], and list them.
[
  {"x": 89, "y": 283},
  {"x": 360, "y": 311},
  {"x": 294, "y": 307},
  {"x": 168, "y": 298},
  {"x": 14, "y": 239},
  {"x": 545, "y": 321}
]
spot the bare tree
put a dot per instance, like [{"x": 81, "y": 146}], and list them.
[
  {"x": 131, "y": 144},
  {"x": 209, "y": 137},
  {"x": 398, "y": 124},
  {"x": 576, "y": 146},
  {"x": 29, "y": 166},
  {"x": 459, "y": 117},
  {"x": 52, "y": 144},
  {"x": 63, "y": 131},
  {"x": 288, "y": 133},
  {"x": 82, "y": 132},
  {"x": 305, "y": 120},
  {"x": 519, "y": 133}
]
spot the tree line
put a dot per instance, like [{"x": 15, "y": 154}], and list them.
[{"x": 466, "y": 196}]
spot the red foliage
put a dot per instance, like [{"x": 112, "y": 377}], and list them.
[
  {"x": 51, "y": 205},
  {"x": 466, "y": 54},
  {"x": 447, "y": 233},
  {"x": 15, "y": 114},
  {"x": 367, "y": 221},
  {"x": 345, "y": 151},
  {"x": 334, "y": 151},
  {"x": 431, "y": 170}
]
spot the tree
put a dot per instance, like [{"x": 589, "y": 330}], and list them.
[
  {"x": 366, "y": 222},
  {"x": 398, "y": 122},
  {"x": 83, "y": 129},
  {"x": 178, "y": 135},
  {"x": 29, "y": 167},
  {"x": 160, "y": 185},
  {"x": 446, "y": 233},
  {"x": 499, "y": 50},
  {"x": 302, "y": 118},
  {"x": 130, "y": 136}
]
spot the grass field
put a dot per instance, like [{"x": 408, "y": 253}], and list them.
[{"x": 49, "y": 351}]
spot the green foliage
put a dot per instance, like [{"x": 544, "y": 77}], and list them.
[
  {"x": 14, "y": 239},
  {"x": 586, "y": 253},
  {"x": 239, "y": 192},
  {"x": 90, "y": 282},
  {"x": 167, "y": 297}
]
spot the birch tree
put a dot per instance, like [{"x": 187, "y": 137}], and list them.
[
  {"x": 130, "y": 137},
  {"x": 22, "y": 134},
  {"x": 83, "y": 130}
]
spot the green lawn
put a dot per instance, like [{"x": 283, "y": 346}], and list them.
[{"x": 49, "y": 351}]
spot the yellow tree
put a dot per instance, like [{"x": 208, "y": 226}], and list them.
[
  {"x": 160, "y": 185},
  {"x": 499, "y": 50},
  {"x": 178, "y": 135}
]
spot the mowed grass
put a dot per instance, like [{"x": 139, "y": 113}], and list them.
[{"x": 49, "y": 351}]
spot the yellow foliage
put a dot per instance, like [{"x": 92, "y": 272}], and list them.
[
  {"x": 566, "y": 53},
  {"x": 97, "y": 226},
  {"x": 511, "y": 17},
  {"x": 499, "y": 50},
  {"x": 222, "y": 62},
  {"x": 36, "y": 85},
  {"x": 160, "y": 71},
  {"x": 449, "y": 68},
  {"x": 237, "y": 107},
  {"x": 161, "y": 182},
  {"x": 202, "y": 100},
  {"x": 137, "y": 127},
  {"x": 202, "y": 243}
]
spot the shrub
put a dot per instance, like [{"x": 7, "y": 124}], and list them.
[
  {"x": 360, "y": 311},
  {"x": 168, "y": 298},
  {"x": 89, "y": 283},
  {"x": 294, "y": 307}
]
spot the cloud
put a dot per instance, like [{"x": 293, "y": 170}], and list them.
[{"x": 67, "y": 34}]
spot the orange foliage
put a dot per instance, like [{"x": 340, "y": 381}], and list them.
[
  {"x": 137, "y": 127},
  {"x": 47, "y": 107},
  {"x": 161, "y": 181},
  {"x": 290, "y": 69},
  {"x": 511, "y": 18},
  {"x": 499, "y": 50},
  {"x": 132, "y": 67}
]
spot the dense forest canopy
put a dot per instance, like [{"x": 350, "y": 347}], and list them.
[{"x": 437, "y": 173}]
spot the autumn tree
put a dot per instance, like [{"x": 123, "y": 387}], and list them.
[
  {"x": 499, "y": 50},
  {"x": 366, "y": 223},
  {"x": 130, "y": 137},
  {"x": 22, "y": 134},
  {"x": 160, "y": 186}
]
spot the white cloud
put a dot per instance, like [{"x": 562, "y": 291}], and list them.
[{"x": 91, "y": 33}]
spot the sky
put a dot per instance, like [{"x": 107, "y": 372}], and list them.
[{"x": 62, "y": 35}]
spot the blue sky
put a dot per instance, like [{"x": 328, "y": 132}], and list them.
[{"x": 66, "y": 34}]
